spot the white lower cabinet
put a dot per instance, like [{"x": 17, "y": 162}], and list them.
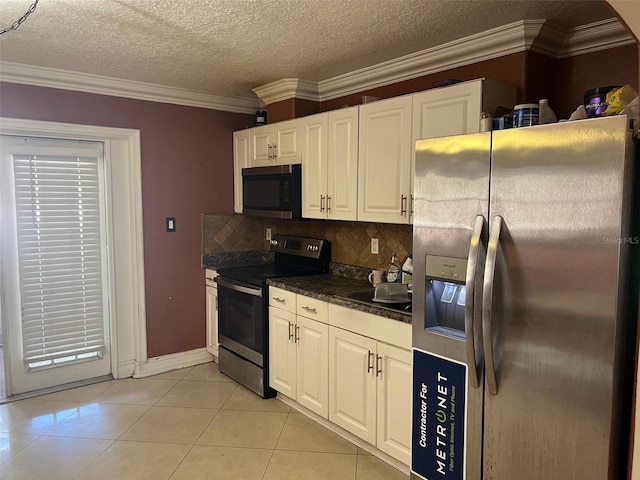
[
  {"x": 352, "y": 383},
  {"x": 298, "y": 352},
  {"x": 393, "y": 367},
  {"x": 351, "y": 367},
  {"x": 211, "y": 312}
]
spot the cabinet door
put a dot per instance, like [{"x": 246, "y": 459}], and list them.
[
  {"x": 385, "y": 156},
  {"x": 352, "y": 383},
  {"x": 393, "y": 370},
  {"x": 314, "y": 166},
  {"x": 262, "y": 141},
  {"x": 452, "y": 110},
  {"x": 313, "y": 365},
  {"x": 241, "y": 159},
  {"x": 282, "y": 352},
  {"x": 342, "y": 187},
  {"x": 287, "y": 142},
  {"x": 212, "y": 320}
]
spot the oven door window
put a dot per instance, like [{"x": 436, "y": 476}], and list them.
[{"x": 241, "y": 320}]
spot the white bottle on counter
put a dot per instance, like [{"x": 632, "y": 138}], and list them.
[
  {"x": 407, "y": 272},
  {"x": 545, "y": 114}
]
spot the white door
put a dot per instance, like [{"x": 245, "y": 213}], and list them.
[
  {"x": 286, "y": 148},
  {"x": 393, "y": 369},
  {"x": 314, "y": 166},
  {"x": 55, "y": 301},
  {"x": 212, "y": 319},
  {"x": 384, "y": 164},
  {"x": 313, "y": 365},
  {"x": 282, "y": 351},
  {"x": 342, "y": 164},
  {"x": 352, "y": 383},
  {"x": 241, "y": 159},
  {"x": 262, "y": 146}
]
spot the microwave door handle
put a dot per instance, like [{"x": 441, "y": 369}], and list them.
[
  {"x": 256, "y": 292},
  {"x": 487, "y": 299},
  {"x": 470, "y": 301}
]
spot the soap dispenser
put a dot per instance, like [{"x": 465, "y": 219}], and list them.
[{"x": 394, "y": 271}]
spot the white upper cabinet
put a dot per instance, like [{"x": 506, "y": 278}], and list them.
[
  {"x": 385, "y": 158},
  {"x": 457, "y": 109},
  {"x": 314, "y": 138},
  {"x": 330, "y": 165},
  {"x": 241, "y": 159},
  {"x": 277, "y": 144}
]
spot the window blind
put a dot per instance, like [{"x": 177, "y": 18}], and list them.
[{"x": 60, "y": 258}]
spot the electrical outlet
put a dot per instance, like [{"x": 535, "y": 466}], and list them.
[
  {"x": 374, "y": 246},
  {"x": 268, "y": 235}
]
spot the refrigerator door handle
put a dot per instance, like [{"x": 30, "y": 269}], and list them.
[
  {"x": 487, "y": 299},
  {"x": 469, "y": 309}
]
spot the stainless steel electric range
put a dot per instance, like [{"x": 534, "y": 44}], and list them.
[{"x": 243, "y": 323}]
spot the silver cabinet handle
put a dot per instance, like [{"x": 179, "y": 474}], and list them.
[
  {"x": 487, "y": 299},
  {"x": 403, "y": 205},
  {"x": 369, "y": 361},
  {"x": 290, "y": 331},
  {"x": 269, "y": 150},
  {"x": 328, "y": 204},
  {"x": 297, "y": 339},
  {"x": 275, "y": 151},
  {"x": 278, "y": 299},
  {"x": 470, "y": 302},
  {"x": 309, "y": 309},
  {"x": 378, "y": 365},
  {"x": 322, "y": 203},
  {"x": 411, "y": 210}
]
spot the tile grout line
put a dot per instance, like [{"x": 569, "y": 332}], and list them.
[{"x": 273, "y": 450}]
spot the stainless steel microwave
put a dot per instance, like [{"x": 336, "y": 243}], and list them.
[{"x": 272, "y": 191}]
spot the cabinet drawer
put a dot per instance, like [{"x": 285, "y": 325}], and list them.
[
  {"x": 383, "y": 329},
  {"x": 282, "y": 299},
  {"x": 312, "y": 308}
]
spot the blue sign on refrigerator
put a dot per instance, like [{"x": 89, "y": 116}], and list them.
[{"x": 439, "y": 417}]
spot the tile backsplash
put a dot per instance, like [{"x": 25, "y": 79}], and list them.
[{"x": 350, "y": 241}]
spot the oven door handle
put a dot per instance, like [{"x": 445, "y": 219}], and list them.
[{"x": 257, "y": 292}]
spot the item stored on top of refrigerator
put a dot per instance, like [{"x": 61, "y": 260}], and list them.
[
  {"x": 500, "y": 123},
  {"x": 485, "y": 122},
  {"x": 525, "y": 115},
  {"x": 619, "y": 99},
  {"x": 391, "y": 293},
  {"x": 393, "y": 270},
  {"x": 545, "y": 113},
  {"x": 595, "y": 100}
]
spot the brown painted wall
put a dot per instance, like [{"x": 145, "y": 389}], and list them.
[{"x": 187, "y": 169}]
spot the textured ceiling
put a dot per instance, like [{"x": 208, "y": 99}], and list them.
[{"x": 229, "y": 47}]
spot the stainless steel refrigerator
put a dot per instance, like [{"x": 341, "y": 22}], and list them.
[{"x": 524, "y": 303}]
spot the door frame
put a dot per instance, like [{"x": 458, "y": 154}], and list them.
[{"x": 126, "y": 249}]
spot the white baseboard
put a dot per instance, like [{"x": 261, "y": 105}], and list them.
[
  {"x": 125, "y": 369},
  {"x": 174, "y": 361}
]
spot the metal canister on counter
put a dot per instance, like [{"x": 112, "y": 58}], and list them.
[
  {"x": 486, "y": 122},
  {"x": 525, "y": 115}
]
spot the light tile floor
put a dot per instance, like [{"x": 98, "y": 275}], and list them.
[{"x": 188, "y": 424}]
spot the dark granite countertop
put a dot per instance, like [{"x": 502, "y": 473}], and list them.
[
  {"x": 235, "y": 259},
  {"x": 334, "y": 289}
]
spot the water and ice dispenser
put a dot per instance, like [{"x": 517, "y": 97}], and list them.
[{"x": 445, "y": 295}]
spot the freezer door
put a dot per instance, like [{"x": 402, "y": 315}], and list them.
[
  {"x": 451, "y": 189},
  {"x": 552, "y": 322}
]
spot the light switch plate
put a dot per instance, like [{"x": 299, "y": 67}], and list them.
[
  {"x": 268, "y": 234},
  {"x": 170, "y": 224}
]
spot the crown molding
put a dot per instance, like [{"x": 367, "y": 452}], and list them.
[
  {"x": 287, "y": 88},
  {"x": 497, "y": 42},
  {"x": 84, "y": 82},
  {"x": 595, "y": 37},
  {"x": 536, "y": 35}
]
